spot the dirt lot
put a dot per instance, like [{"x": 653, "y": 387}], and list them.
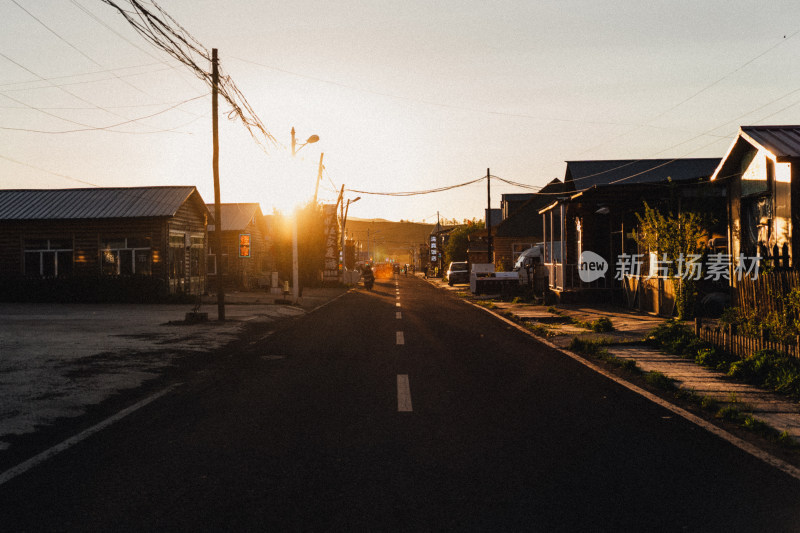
[{"x": 57, "y": 360}]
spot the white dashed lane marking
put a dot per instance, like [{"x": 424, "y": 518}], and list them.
[
  {"x": 403, "y": 394},
  {"x": 398, "y": 315},
  {"x": 400, "y": 338}
]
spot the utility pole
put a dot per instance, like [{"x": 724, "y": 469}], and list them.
[
  {"x": 489, "y": 251},
  {"x": 217, "y": 206},
  {"x": 319, "y": 176},
  {"x": 295, "y": 260},
  {"x": 341, "y": 229},
  {"x": 438, "y": 244}
]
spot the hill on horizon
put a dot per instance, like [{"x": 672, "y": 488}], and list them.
[{"x": 388, "y": 239}]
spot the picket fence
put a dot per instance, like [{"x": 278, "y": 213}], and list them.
[
  {"x": 741, "y": 345},
  {"x": 763, "y": 294}
]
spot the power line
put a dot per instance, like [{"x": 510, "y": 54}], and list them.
[
  {"x": 696, "y": 94},
  {"x": 104, "y": 71},
  {"x": 108, "y": 128},
  {"x": 165, "y": 33},
  {"x": 439, "y": 104},
  {"x": 94, "y": 105},
  {"x": 48, "y": 28},
  {"x": 415, "y": 193},
  {"x": 112, "y": 30}
]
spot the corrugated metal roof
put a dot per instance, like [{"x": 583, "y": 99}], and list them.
[
  {"x": 585, "y": 174},
  {"x": 782, "y": 141},
  {"x": 70, "y": 204},
  {"x": 235, "y": 216}
]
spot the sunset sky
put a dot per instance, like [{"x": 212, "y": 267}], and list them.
[{"x": 404, "y": 96}]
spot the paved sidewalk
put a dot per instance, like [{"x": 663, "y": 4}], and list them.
[{"x": 777, "y": 411}]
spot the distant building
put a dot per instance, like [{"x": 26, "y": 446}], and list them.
[
  {"x": 496, "y": 217},
  {"x": 156, "y": 235},
  {"x": 246, "y": 261},
  {"x": 511, "y": 202},
  {"x": 522, "y": 227}
]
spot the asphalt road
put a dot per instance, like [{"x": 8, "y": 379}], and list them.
[{"x": 312, "y": 428}]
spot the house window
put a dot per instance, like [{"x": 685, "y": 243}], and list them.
[
  {"x": 48, "y": 257},
  {"x": 197, "y": 248},
  {"x": 176, "y": 260},
  {"x": 126, "y": 256}
]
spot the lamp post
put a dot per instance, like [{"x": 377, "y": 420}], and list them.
[
  {"x": 344, "y": 225},
  {"x": 310, "y": 140},
  {"x": 295, "y": 262}
]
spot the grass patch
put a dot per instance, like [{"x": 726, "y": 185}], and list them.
[
  {"x": 538, "y": 329},
  {"x": 729, "y": 412},
  {"x": 597, "y": 348},
  {"x": 752, "y": 423},
  {"x": 676, "y": 337},
  {"x": 488, "y": 304},
  {"x": 626, "y": 364},
  {"x": 784, "y": 439},
  {"x": 770, "y": 370},
  {"x": 553, "y": 310},
  {"x": 660, "y": 380},
  {"x": 589, "y": 347},
  {"x": 709, "y": 404},
  {"x": 601, "y": 325}
]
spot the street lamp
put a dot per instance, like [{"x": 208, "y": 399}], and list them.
[
  {"x": 295, "y": 262},
  {"x": 344, "y": 224},
  {"x": 310, "y": 140}
]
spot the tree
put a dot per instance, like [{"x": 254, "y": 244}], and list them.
[
  {"x": 676, "y": 236},
  {"x": 456, "y": 249}
]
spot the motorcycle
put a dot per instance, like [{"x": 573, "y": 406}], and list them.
[{"x": 369, "y": 279}]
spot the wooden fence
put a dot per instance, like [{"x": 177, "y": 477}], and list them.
[
  {"x": 741, "y": 345},
  {"x": 763, "y": 295}
]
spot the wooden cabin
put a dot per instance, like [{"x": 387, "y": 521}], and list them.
[
  {"x": 246, "y": 261},
  {"x": 762, "y": 173},
  {"x": 101, "y": 234}
]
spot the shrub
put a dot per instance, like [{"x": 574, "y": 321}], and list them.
[
  {"x": 752, "y": 423},
  {"x": 588, "y": 347},
  {"x": 601, "y": 325},
  {"x": 628, "y": 364},
  {"x": 713, "y": 358},
  {"x": 729, "y": 412},
  {"x": 769, "y": 369},
  {"x": 709, "y": 403},
  {"x": 660, "y": 380},
  {"x": 676, "y": 337},
  {"x": 537, "y": 329}
]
